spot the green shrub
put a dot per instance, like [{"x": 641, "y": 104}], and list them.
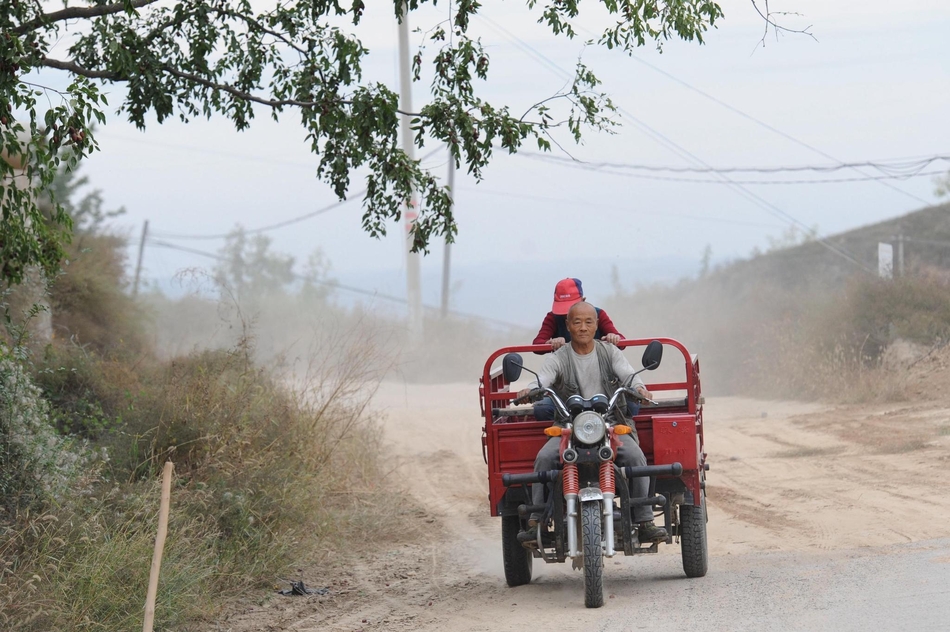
[
  {"x": 910, "y": 308},
  {"x": 36, "y": 464},
  {"x": 79, "y": 385}
]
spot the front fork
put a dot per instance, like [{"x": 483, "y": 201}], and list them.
[
  {"x": 572, "y": 488},
  {"x": 608, "y": 489}
]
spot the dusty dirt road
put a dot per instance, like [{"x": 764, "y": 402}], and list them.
[{"x": 821, "y": 518}]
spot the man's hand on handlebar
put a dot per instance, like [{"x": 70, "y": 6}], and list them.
[
  {"x": 644, "y": 395},
  {"x": 613, "y": 339},
  {"x": 526, "y": 394}
]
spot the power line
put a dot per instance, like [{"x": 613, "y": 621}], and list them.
[
  {"x": 203, "y": 149},
  {"x": 896, "y": 168},
  {"x": 339, "y": 286},
  {"x": 756, "y": 199},
  {"x": 333, "y": 284},
  {"x": 269, "y": 227},
  {"x": 688, "y": 156},
  {"x": 614, "y": 170},
  {"x": 287, "y": 222},
  {"x": 588, "y": 203},
  {"x": 771, "y": 128}
]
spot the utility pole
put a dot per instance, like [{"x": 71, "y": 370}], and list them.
[
  {"x": 900, "y": 255},
  {"x": 447, "y": 258},
  {"x": 413, "y": 289},
  {"x": 138, "y": 266}
]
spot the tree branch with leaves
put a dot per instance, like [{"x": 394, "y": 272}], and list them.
[{"x": 204, "y": 58}]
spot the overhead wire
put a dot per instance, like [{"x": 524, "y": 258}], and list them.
[
  {"x": 267, "y": 228},
  {"x": 616, "y": 170},
  {"x": 203, "y": 149},
  {"x": 340, "y": 286},
  {"x": 683, "y": 153},
  {"x": 588, "y": 203},
  {"x": 896, "y": 168},
  {"x": 771, "y": 128},
  {"x": 283, "y": 223},
  {"x": 891, "y": 166},
  {"x": 756, "y": 199}
]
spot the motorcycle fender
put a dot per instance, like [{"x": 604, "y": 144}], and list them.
[{"x": 590, "y": 493}]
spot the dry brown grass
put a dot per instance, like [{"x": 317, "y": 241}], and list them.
[
  {"x": 797, "y": 338},
  {"x": 89, "y": 301},
  {"x": 267, "y": 477},
  {"x": 276, "y": 467}
]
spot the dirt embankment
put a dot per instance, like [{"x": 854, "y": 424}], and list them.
[{"x": 804, "y": 481}]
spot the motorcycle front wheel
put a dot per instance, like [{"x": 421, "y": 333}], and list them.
[{"x": 593, "y": 553}]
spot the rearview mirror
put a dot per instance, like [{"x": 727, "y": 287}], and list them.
[
  {"x": 511, "y": 367},
  {"x": 652, "y": 355}
]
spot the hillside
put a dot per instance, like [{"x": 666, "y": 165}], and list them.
[
  {"x": 766, "y": 323},
  {"x": 813, "y": 262}
]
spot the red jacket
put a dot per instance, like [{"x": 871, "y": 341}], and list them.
[{"x": 556, "y": 327}]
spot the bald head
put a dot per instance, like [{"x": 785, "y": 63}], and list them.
[
  {"x": 581, "y": 309},
  {"x": 582, "y": 325}
]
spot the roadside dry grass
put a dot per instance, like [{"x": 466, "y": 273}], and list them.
[
  {"x": 762, "y": 334},
  {"x": 268, "y": 478}
]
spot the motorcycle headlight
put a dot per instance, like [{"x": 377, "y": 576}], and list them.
[{"x": 589, "y": 427}]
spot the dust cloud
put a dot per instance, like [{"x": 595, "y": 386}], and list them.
[{"x": 292, "y": 332}]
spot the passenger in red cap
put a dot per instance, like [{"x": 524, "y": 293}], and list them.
[
  {"x": 554, "y": 328},
  {"x": 554, "y": 332}
]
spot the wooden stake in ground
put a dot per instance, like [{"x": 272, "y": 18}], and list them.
[{"x": 159, "y": 547}]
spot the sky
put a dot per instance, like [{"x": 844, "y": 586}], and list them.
[{"x": 872, "y": 84}]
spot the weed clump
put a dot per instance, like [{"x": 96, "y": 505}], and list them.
[
  {"x": 838, "y": 346},
  {"x": 265, "y": 480},
  {"x": 799, "y": 338}
]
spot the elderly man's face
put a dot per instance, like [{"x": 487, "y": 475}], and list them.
[{"x": 582, "y": 322}]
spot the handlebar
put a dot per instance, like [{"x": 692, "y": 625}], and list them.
[
  {"x": 532, "y": 395},
  {"x": 535, "y": 394},
  {"x": 628, "y": 391}
]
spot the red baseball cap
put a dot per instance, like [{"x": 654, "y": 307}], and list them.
[{"x": 566, "y": 293}]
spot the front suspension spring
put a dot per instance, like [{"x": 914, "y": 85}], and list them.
[
  {"x": 607, "y": 477},
  {"x": 569, "y": 479}
]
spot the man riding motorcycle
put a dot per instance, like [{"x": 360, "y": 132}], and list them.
[{"x": 587, "y": 367}]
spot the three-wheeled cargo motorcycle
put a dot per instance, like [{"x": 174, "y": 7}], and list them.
[{"x": 588, "y": 510}]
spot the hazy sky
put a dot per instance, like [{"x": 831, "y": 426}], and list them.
[{"x": 875, "y": 85}]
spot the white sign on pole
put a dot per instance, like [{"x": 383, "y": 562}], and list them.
[{"x": 885, "y": 260}]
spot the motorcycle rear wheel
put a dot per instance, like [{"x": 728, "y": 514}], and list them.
[
  {"x": 593, "y": 554},
  {"x": 517, "y": 558}
]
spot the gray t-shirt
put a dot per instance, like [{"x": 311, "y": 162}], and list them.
[{"x": 588, "y": 369}]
